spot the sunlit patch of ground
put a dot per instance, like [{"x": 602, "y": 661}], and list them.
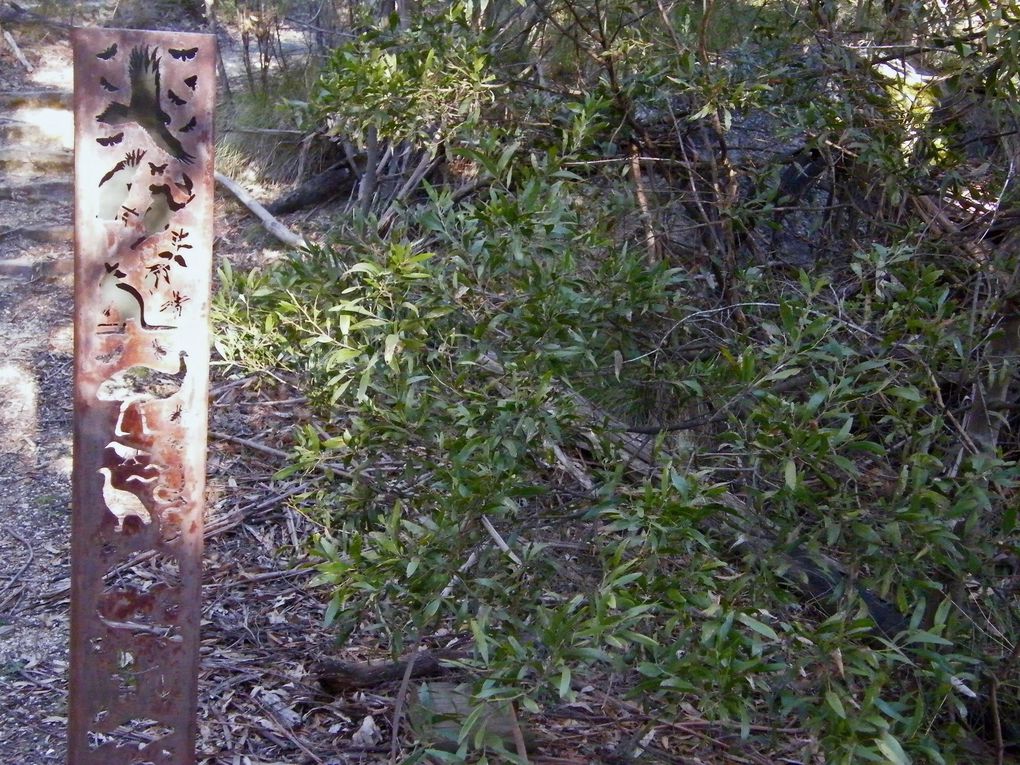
[
  {"x": 55, "y": 125},
  {"x": 18, "y": 411}
]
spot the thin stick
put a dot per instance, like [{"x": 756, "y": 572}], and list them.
[
  {"x": 424, "y": 166},
  {"x": 519, "y": 744},
  {"x": 254, "y": 445},
  {"x": 398, "y": 707},
  {"x": 500, "y": 543},
  {"x": 23, "y": 569}
]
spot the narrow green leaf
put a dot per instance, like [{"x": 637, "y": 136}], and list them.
[
  {"x": 835, "y": 704},
  {"x": 891, "y": 748},
  {"x": 790, "y": 474},
  {"x": 565, "y": 683},
  {"x": 392, "y": 341},
  {"x": 907, "y": 393},
  {"x": 760, "y": 627}
]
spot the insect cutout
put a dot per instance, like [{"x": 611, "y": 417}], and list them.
[
  {"x": 109, "y": 53},
  {"x": 183, "y": 55},
  {"x": 176, "y": 303},
  {"x": 144, "y": 108}
]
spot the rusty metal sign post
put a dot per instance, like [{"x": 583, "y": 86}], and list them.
[{"x": 143, "y": 107}]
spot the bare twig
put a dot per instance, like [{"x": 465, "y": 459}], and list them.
[
  {"x": 22, "y": 570},
  {"x": 426, "y": 164},
  {"x": 398, "y": 707},
  {"x": 518, "y": 734},
  {"x": 500, "y": 542},
  {"x": 15, "y": 14},
  {"x": 254, "y": 445},
  {"x": 641, "y": 194}
]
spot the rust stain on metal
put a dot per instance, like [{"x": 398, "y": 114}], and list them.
[{"x": 143, "y": 106}]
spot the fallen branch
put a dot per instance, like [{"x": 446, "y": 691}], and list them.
[
  {"x": 271, "y": 224},
  {"x": 337, "y": 677},
  {"x": 9, "y": 39},
  {"x": 323, "y": 187}
]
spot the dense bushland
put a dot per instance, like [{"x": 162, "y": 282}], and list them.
[{"x": 672, "y": 350}]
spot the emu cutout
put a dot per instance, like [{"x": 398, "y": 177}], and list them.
[{"x": 143, "y": 106}]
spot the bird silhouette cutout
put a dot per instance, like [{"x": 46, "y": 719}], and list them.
[
  {"x": 144, "y": 108},
  {"x": 144, "y": 382},
  {"x": 123, "y": 504},
  {"x": 122, "y": 303},
  {"x": 140, "y": 385}
]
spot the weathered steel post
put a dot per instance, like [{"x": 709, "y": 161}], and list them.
[{"x": 143, "y": 221}]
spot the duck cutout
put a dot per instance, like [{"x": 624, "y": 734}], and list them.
[
  {"x": 123, "y": 504},
  {"x": 144, "y": 108},
  {"x": 122, "y": 303},
  {"x": 140, "y": 385}
]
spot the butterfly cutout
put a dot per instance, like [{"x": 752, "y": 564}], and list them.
[{"x": 183, "y": 54}]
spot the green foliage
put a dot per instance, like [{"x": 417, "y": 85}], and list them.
[
  {"x": 420, "y": 84},
  {"x": 800, "y": 534}
]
